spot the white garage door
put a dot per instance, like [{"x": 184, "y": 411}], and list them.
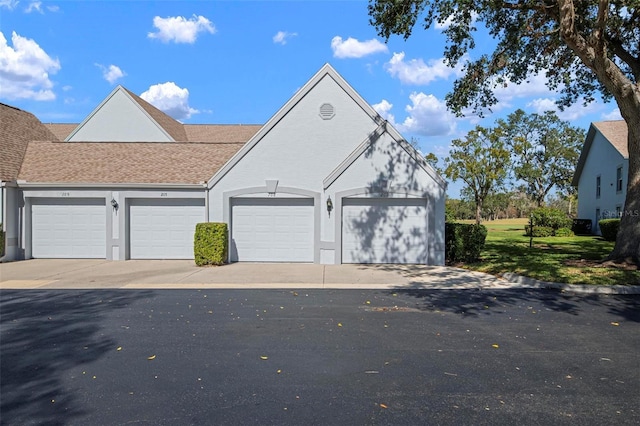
[
  {"x": 272, "y": 230},
  {"x": 384, "y": 230},
  {"x": 68, "y": 228},
  {"x": 163, "y": 229}
]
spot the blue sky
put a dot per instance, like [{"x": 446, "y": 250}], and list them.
[{"x": 238, "y": 62}]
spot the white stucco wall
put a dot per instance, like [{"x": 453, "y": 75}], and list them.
[
  {"x": 302, "y": 149},
  {"x": 12, "y": 206},
  {"x": 119, "y": 119},
  {"x": 603, "y": 160},
  {"x": 117, "y": 221},
  {"x": 387, "y": 168}
]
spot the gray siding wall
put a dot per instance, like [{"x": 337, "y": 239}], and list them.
[
  {"x": 602, "y": 160},
  {"x": 119, "y": 119}
]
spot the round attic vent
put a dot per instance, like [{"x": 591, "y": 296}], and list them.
[{"x": 327, "y": 111}]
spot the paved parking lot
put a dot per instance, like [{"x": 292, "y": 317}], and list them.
[{"x": 308, "y": 356}]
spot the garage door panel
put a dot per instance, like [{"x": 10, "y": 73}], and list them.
[
  {"x": 273, "y": 230},
  {"x": 163, "y": 229},
  {"x": 384, "y": 230},
  {"x": 68, "y": 228}
]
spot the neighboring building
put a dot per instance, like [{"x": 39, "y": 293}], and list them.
[
  {"x": 325, "y": 180},
  {"x": 601, "y": 174},
  {"x": 17, "y": 129}
]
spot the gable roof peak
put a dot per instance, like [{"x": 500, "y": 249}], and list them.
[{"x": 173, "y": 129}]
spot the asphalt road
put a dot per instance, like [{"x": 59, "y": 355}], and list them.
[{"x": 316, "y": 357}]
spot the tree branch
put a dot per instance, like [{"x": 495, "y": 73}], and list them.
[{"x": 626, "y": 57}]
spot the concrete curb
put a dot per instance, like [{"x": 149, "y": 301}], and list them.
[{"x": 576, "y": 288}]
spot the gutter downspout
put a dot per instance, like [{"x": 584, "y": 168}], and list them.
[
  {"x": 3, "y": 196},
  {"x": 206, "y": 201}
]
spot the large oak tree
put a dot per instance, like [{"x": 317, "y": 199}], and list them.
[
  {"x": 545, "y": 151},
  {"x": 583, "y": 47}
]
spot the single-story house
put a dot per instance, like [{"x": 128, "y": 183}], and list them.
[
  {"x": 601, "y": 173},
  {"x": 325, "y": 180}
]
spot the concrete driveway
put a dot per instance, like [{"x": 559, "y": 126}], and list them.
[{"x": 96, "y": 274}]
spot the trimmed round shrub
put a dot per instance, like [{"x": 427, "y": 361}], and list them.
[
  {"x": 550, "y": 217},
  {"x": 564, "y": 232},
  {"x": 210, "y": 243},
  {"x": 463, "y": 241},
  {"x": 539, "y": 231},
  {"x": 609, "y": 228}
]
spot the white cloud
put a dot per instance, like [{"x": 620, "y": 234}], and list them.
[
  {"x": 282, "y": 37},
  {"x": 171, "y": 99},
  {"x": 35, "y": 6},
  {"x": 181, "y": 30},
  {"x": 612, "y": 115},
  {"x": 428, "y": 116},
  {"x": 8, "y": 4},
  {"x": 53, "y": 8},
  {"x": 352, "y": 48},
  {"x": 571, "y": 113},
  {"x": 25, "y": 69},
  {"x": 535, "y": 85},
  {"x": 417, "y": 72},
  {"x": 111, "y": 73},
  {"x": 384, "y": 109}
]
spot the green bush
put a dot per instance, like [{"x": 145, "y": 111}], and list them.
[
  {"x": 210, "y": 243},
  {"x": 539, "y": 231},
  {"x": 609, "y": 228},
  {"x": 550, "y": 217},
  {"x": 564, "y": 232},
  {"x": 464, "y": 242}
]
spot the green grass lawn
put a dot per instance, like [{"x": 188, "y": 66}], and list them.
[{"x": 555, "y": 259}]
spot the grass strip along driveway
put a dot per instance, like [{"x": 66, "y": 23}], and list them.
[{"x": 571, "y": 260}]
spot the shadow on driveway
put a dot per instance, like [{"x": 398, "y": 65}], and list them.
[
  {"x": 42, "y": 336},
  {"x": 491, "y": 301}
]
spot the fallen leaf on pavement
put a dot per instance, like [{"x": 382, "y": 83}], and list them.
[
  {"x": 615, "y": 323},
  {"x": 383, "y": 406},
  {"x": 495, "y": 346},
  {"x": 152, "y": 357},
  {"x": 263, "y": 357}
]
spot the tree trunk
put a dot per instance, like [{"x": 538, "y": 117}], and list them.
[
  {"x": 478, "y": 212},
  {"x": 628, "y": 240}
]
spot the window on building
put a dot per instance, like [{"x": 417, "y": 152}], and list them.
[
  {"x": 618, "y": 211},
  {"x": 619, "y": 179},
  {"x": 598, "y": 181}
]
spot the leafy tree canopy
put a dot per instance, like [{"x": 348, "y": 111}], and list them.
[
  {"x": 583, "y": 47},
  {"x": 545, "y": 151},
  {"x": 557, "y": 38}
]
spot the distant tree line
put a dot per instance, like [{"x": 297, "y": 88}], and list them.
[{"x": 520, "y": 163}]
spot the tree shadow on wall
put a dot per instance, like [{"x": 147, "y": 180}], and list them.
[
  {"x": 407, "y": 240},
  {"x": 43, "y": 334}
]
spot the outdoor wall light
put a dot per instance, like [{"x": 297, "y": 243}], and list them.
[
  {"x": 329, "y": 205},
  {"x": 114, "y": 204}
]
